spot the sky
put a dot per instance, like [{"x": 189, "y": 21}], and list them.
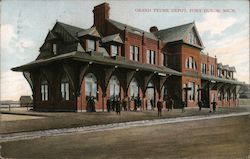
[{"x": 222, "y": 25}]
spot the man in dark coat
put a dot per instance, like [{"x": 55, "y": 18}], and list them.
[
  {"x": 135, "y": 104},
  {"x": 171, "y": 104},
  {"x": 124, "y": 104},
  {"x": 200, "y": 105},
  {"x": 152, "y": 103},
  {"x": 118, "y": 106},
  {"x": 108, "y": 104},
  {"x": 113, "y": 104},
  {"x": 159, "y": 107},
  {"x": 214, "y": 106}
]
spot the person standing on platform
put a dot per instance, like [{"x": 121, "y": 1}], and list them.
[
  {"x": 214, "y": 106},
  {"x": 124, "y": 104},
  {"x": 159, "y": 107},
  {"x": 118, "y": 106},
  {"x": 171, "y": 104},
  {"x": 183, "y": 105},
  {"x": 108, "y": 104},
  {"x": 200, "y": 105}
]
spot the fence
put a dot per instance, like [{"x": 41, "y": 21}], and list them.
[{"x": 15, "y": 104}]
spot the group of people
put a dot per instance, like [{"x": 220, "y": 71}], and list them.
[
  {"x": 115, "y": 104},
  {"x": 203, "y": 103}
]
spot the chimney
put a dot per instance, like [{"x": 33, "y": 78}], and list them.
[
  {"x": 101, "y": 13},
  {"x": 153, "y": 29}
]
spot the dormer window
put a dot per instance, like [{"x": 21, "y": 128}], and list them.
[
  {"x": 114, "y": 50},
  {"x": 54, "y": 49},
  {"x": 91, "y": 45}
]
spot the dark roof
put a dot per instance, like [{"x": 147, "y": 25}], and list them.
[
  {"x": 223, "y": 80},
  {"x": 232, "y": 69},
  {"x": 115, "y": 38},
  {"x": 132, "y": 29},
  {"x": 72, "y": 30},
  {"x": 219, "y": 65},
  {"x": 225, "y": 67},
  {"x": 176, "y": 33}
]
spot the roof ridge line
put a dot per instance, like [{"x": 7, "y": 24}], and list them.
[{"x": 176, "y": 26}]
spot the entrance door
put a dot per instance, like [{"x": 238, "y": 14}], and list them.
[{"x": 150, "y": 94}]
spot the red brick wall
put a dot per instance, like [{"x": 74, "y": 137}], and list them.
[
  {"x": 208, "y": 60},
  {"x": 189, "y": 51}
]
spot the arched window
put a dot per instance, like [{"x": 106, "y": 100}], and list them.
[
  {"x": 134, "y": 89},
  {"x": 114, "y": 86},
  {"x": 190, "y": 63},
  {"x": 90, "y": 85},
  {"x": 65, "y": 88},
  {"x": 44, "y": 90}
]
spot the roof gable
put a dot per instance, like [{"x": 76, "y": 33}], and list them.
[
  {"x": 196, "y": 40},
  {"x": 114, "y": 38},
  {"x": 91, "y": 31},
  {"x": 178, "y": 33}
]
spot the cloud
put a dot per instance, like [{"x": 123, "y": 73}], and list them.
[
  {"x": 13, "y": 85},
  {"x": 214, "y": 24},
  {"x": 11, "y": 42},
  {"x": 233, "y": 50}
]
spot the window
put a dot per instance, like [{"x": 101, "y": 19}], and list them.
[
  {"x": 131, "y": 53},
  {"x": 196, "y": 92},
  {"x": 91, "y": 86},
  {"x": 54, "y": 48},
  {"x": 91, "y": 45},
  {"x": 212, "y": 70},
  {"x": 190, "y": 63},
  {"x": 203, "y": 68},
  {"x": 134, "y": 89},
  {"x": 114, "y": 50},
  {"x": 191, "y": 93},
  {"x": 219, "y": 95},
  {"x": 219, "y": 72},
  {"x": 65, "y": 88},
  {"x": 150, "y": 56},
  {"x": 134, "y": 53},
  {"x": 44, "y": 90},
  {"x": 114, "y": 86},
  {"x": 184, "y": 86}
]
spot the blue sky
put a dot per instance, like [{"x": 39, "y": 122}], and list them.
[{"x": 24, "y": 26}]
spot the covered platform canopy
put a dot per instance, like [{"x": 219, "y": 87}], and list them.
[{"x": 98, "y": 58}]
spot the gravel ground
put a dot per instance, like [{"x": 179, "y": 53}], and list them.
[
  {"x": 226, "y": 137},
  {"x": 61, "y": 120}
]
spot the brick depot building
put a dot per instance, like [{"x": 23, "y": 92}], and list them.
[{"x": 114, "y": 59}]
